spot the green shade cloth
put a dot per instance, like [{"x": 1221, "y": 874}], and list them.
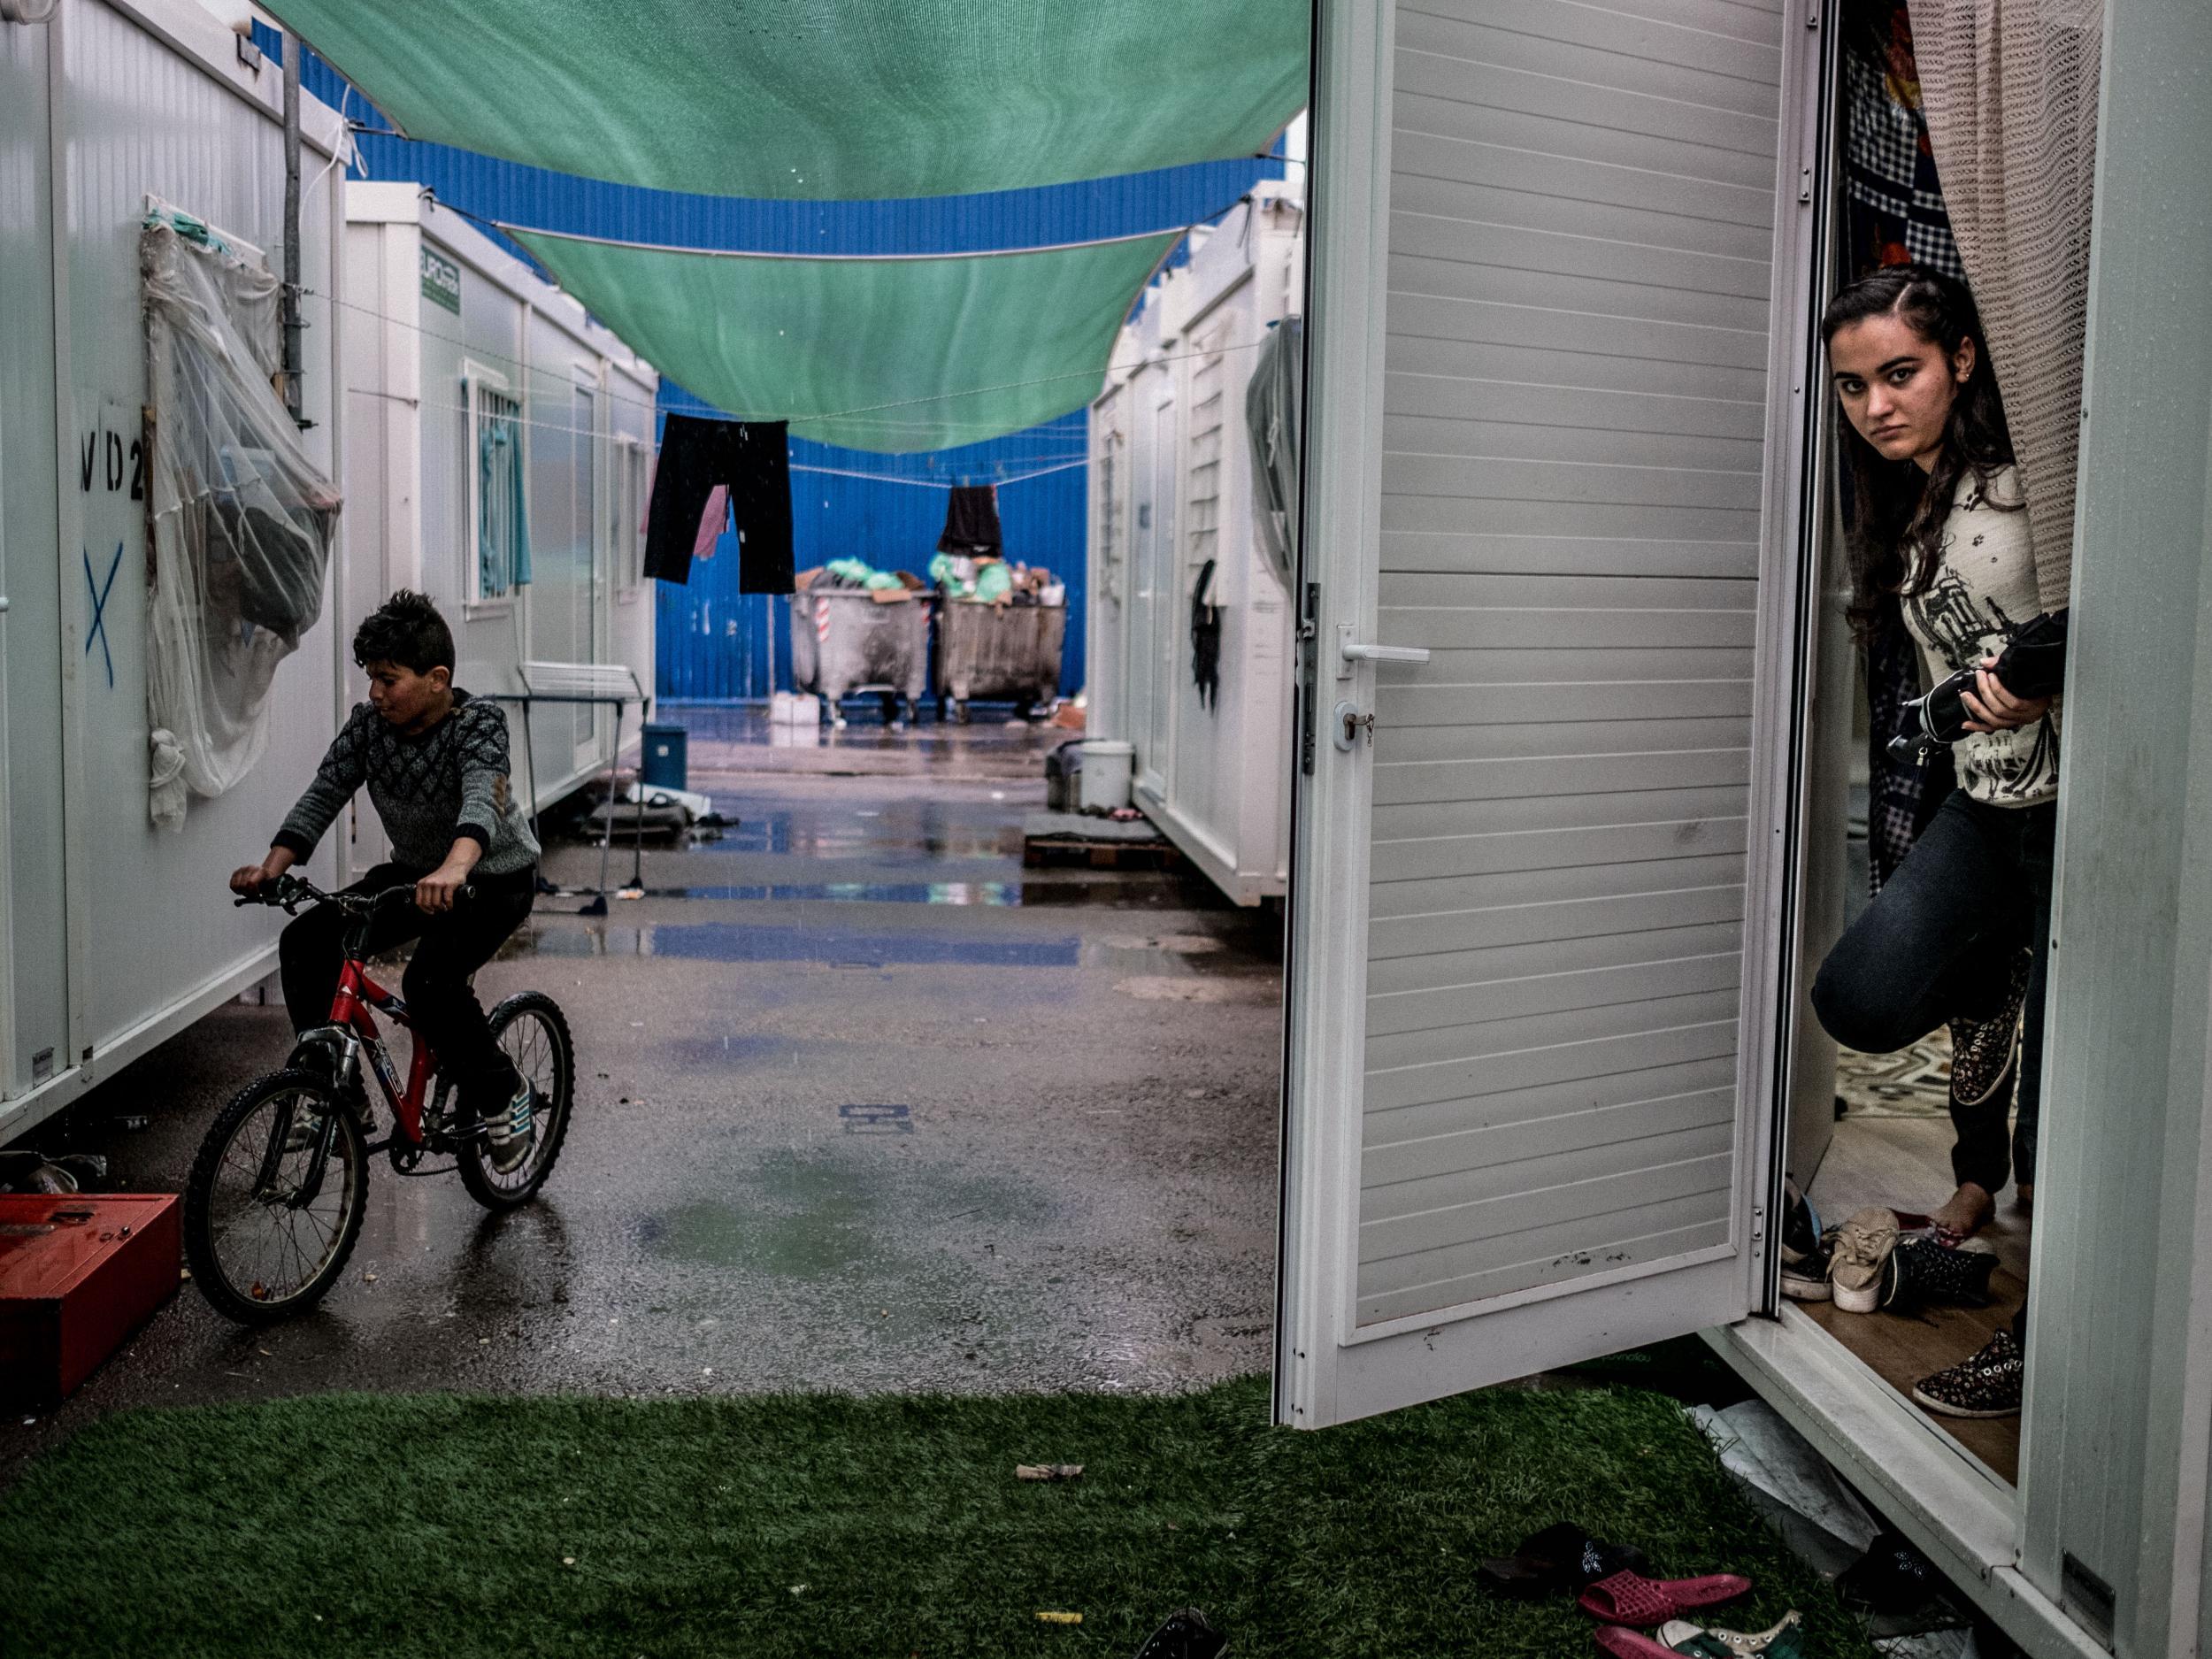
[
  {"x": 831, "y": 100},
  {"x": 886, "y": 354}
]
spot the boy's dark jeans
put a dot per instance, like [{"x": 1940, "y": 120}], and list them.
[
  {"x": 1937, "y": 944},
  {"x": 440, "y": 999}
]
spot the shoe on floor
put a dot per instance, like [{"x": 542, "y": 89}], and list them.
[
  {"x": 1804, "y": 1251},
  {"x": 1986, "y": 1386},
  {"x": 1185, "y": 1635},
  {"x": 1892, "y": 1577},
  {"x": 509, "y": 1133},
  {"x": 1982, "y": 1049},
  {"x": 1783, "y": 1640},
  {"x": 1560, "y": 1560},
  {"x": 1863, "y": 1245},
  {"x": 1920, "y": 1273}
]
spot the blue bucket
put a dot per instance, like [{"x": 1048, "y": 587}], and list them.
[{"x": 666, "y": 761}]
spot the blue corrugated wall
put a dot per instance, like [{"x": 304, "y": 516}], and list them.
[{"x": 714, "y": 642}]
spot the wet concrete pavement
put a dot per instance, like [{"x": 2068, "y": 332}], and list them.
[{"x": 862, "y": 1104}]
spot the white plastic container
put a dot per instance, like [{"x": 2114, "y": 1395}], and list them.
[{"x": 1106, "y": 765}]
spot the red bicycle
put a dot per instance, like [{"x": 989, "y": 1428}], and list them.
[{"x": 278, "y": 1192}]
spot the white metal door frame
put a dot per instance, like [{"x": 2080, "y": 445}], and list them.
[{"x": 1327, "y": 1369}]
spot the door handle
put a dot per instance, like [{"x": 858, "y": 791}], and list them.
[{"x": 1351, "y": 650}]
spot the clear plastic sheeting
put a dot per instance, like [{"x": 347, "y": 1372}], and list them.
[
  {"x": 240, "y": 518},
  {"x": 1274, "y": 418}
]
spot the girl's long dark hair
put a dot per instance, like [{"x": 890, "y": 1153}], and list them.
[{"x": 1896, "y": 512}]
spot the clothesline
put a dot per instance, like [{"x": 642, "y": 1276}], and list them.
[
  {"x": 1060, "y": 463},
  {"x": 946, "y": 484}
]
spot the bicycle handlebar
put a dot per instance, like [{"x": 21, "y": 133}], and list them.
[{"x": 289, "y": 892}]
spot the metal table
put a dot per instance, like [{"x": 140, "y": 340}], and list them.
[{"x": 601, "y": 684}]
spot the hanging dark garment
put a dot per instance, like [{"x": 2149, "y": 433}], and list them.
[
  {"x": 1205, "y": 640},
  {"x": 971, "y": 521},
  {"x": 1901, "y": 797},
  {"x": 1896, "y": 211},
  {"x": 752, "y": 461}
]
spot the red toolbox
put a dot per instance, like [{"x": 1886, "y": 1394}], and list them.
[{"x": 77, "y": 1276}]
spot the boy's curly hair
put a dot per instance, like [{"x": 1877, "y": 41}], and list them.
[{"x": 405, "y": 629}]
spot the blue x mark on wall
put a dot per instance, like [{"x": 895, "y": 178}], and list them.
[{"x": 98, "y": 634}]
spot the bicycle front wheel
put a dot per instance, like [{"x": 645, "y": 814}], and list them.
[
  {"x": 533, "y": 1033},
  {"x": 275, "y": 1199}
]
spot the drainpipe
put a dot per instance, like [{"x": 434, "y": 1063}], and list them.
[{"x": 289, "y": 300}]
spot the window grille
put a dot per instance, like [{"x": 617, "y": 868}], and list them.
[{"x": 498, "y": 495}]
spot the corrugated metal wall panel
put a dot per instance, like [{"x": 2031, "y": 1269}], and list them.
[
  {"x": 1582, "y": 206},
  {"x": 714, "y": 643}
]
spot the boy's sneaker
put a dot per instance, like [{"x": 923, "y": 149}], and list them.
[
  {"x": 1986, "y": 1386},
  {"x": 1804, "y": 1252},
  {"x": 1982, "y": 1050},
  {"x": 1863, "y": 1246},
  {"x": 509, "y": 1131},
  {"x": 1921, "y": 1271}
]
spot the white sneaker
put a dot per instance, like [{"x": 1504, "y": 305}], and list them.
[
  {"x": 1854, "y": 1267},
  {"x": 509, "y": 1133}
]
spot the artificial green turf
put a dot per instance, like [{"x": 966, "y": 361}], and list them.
[{"x": 833, "y": 1525}]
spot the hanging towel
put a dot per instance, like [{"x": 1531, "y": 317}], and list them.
[
  {"x": 752, "y": 459},
  {"x": 712, "y": 523},
  {"x": 971, "y": 521}
]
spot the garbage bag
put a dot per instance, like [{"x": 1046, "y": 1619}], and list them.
[{"x": 242, "y": 518}]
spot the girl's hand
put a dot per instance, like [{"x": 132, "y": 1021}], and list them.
[{"x": 1996, "y": 709}]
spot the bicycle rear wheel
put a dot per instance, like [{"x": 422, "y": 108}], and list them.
[
  {"x": 533, "y": 1033},
  {"x": 275, "y": 1199}
]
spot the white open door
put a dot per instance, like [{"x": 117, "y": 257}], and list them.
[{"x": 1559, "y": 363}]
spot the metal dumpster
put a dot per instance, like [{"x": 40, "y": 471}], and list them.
[
  {"x": 844, "y": 640},
  {"x": 995, "y": 652}
]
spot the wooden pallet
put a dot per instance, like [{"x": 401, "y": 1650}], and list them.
[{"x": 1039, "y": 851}]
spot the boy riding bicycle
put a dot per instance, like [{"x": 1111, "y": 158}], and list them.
[{"x": 435, "y": 762}]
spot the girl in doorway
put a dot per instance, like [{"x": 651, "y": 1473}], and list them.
[{"x": 1960, "y": 934}]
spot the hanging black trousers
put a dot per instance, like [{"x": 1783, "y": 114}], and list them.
[
  {"x": 753, "y": 460},
  {"x": 971, "y": 521}
]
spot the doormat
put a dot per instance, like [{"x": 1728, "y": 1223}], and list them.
[{"x": 1914, "y": 1082}]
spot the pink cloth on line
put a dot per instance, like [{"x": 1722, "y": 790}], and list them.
[{"x": 712, "y": 521}]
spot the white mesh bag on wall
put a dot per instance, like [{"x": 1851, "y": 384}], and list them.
[
  {"x": 2009, "y": 87},
  {"x": 242, "y": 519}
]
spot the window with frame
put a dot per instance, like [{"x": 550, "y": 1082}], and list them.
[
  {"x": 498, "y": 525},
  {"x": 632, "y": 492}
]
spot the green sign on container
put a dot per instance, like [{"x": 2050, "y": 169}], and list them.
[{"x": 440, "y": 281}]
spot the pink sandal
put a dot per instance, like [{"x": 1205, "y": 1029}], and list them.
[
  {"x": 1632, "y": 1644},
  {"x": 1629, "y": 1598}
]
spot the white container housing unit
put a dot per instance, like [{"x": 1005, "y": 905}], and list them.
[
  {"x": 1570, "y": 448},
  {"x": 115, "y": 934},
  {"x": 490, "y": 413},
  {"x": 1172, "y": 493}
]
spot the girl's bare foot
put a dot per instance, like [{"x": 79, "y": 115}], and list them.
[
  {"x": 1965, "y": 1212},
  {"x": 2024, "y": 1196}
]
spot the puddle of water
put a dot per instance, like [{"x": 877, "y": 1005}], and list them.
[
  {"x": 991, "y": 893},
  {"x": 819, "y": 1214},
  {"x": 734, "y": 1051},
  {"x": 727, "y": 942}
]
